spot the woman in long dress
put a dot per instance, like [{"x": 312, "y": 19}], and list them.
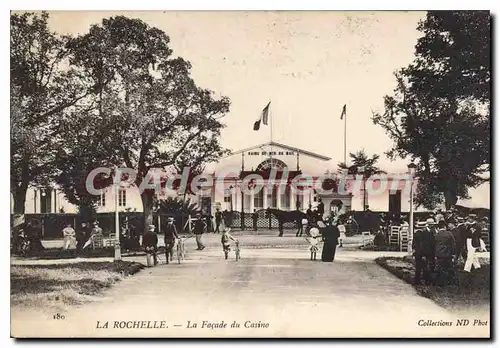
[{"x": 331, "y": 236}]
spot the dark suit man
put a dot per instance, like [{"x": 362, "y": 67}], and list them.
[
  {"x": 321, "y": 209},
  {"x": 150, "y": 243},
  {"x": 255, "y": 217},
  {"x": 423, "y": 249},
  {"x": 445, "y": 250},
  {"x": 218, "y": 220}
]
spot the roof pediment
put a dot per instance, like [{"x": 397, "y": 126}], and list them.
[{"x": 284, "y": 147}]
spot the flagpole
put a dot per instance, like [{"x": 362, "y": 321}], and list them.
[
  {"x": 345, "y": 137},
  {"x": 271, "y": 118}
]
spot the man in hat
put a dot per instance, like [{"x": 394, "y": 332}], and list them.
[
  {"x": 423, "y": 250},
  {"x": 150, "y": 244},
  {"x": 198, "y": 230},
  {"x": 474, "y": 243},
  {"x": 460, "y": 233},
  {"x": 445, "y": 250},
  {"x": 485, "y": 227},
  {"x": 218, "y": 220},
  {"x": 82, "y": 236},
  {"x": 170, "y": 236},
  {"x": 320, "y": 209}
]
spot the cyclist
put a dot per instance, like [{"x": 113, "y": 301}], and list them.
[
  {"x": 226, "y": 236},
  {"x": 170, "y": 236}
]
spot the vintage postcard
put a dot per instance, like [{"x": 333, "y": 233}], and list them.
[{"x": 250, "y": 174}]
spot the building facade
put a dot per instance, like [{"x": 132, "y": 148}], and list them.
[{"x": 292, "y": 178}]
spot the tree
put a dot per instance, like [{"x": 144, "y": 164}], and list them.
[
  {"x": 161, "y": 118},
  {"x": 438, "y": 115},
  {"x": 453, "y": 56},
  {"x": 361, "y": 163},
  {"x": 85, "y": 146},
  {"x": 40, "y": 90}
]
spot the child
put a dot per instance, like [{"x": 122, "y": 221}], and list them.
[
  {"x": 226, "y": 236},
  {"x": 314, "y": 241},
  {"x": 342, "y": 231}
]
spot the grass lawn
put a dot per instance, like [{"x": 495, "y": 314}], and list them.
[
  {"x": 472, "y": 291},
  {"x": 55, "y": 287}
]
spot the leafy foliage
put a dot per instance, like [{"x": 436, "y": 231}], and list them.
[
  {"x": 438, "y": 115},
  {"x": 161, "y": 118},
  {"x": 177, "y": 205},
  {"x": 362, "y": 163}
]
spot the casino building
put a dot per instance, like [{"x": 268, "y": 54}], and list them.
[{"x": 278, "y": 165}]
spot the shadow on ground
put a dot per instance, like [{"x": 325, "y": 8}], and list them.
[{"x": 471, "y": 291}]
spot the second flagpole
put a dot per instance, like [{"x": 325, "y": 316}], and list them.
[
  {"x": 271, "y": 128},
  {"x": 345, "y": 137}
]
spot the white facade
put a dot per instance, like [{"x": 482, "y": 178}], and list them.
[{"x": 227, "y": 186}]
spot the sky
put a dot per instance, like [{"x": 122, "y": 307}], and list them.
[{"x": 308, "y": 64}]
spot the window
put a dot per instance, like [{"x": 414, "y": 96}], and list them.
[
  {"x": 272, "y": 201},
  {"x": 258, "y": 199},
  {"x": 280, "y": 153},
  {"x": 122, "y": 198},
  {"x": 101, "y": 202},
  {"x": 285, "y": 197},
  {"x": 271, "y": 163},
  {"x": 298, "y": 202},
  {"x": 227, "y": 195}
]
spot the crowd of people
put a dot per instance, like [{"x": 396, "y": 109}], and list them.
[{"x": 442, "y": 243}]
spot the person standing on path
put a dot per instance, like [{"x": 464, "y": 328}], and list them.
[
  {"x": 474, "y": 244},
  {"x": 150, "y": 245},
  {"x": 342, "y": 231},
  {"x": 218, "y": 220},
  {"x": 423, "y": 245},
  {"x": 198, "y": 230},
  {"x": 255, "y": 217},
  {"x": 320, "y": 209},
  {"x": 81, "y": 237},
  {"x": 445, "y": 250},
  {"x": 331, "y": 236},
  {"x": 170, "y": 236}
]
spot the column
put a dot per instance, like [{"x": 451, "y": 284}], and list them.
[
  {"x": 292, "y": 198},
  {"x": 251, "y": 206},
  {"x": 264, "y": 200},
  {"x": 233, "y": 197},
  {"x": 236, "y": 193},
  {"x": 278, "y": 197}
]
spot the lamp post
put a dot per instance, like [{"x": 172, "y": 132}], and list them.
[
  {"x": 411, "y": 170},
  {"x": 118, "y": 252},
  {"x": 361, "y": 170},
  {"x": 231, "y": 197}
]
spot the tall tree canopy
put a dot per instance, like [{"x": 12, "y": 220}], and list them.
[
  {"x": 439, "y": 113},
  {"x": 160, "y": 117},
  {"x": 40, "y": 90}
]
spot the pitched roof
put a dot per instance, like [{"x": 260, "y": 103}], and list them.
[{"x": 290, "y": 148}]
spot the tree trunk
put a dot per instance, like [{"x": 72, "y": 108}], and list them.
[
  {"x": 20, "y": 200},
  {"x": 450, "y": 199},
  {"x": 19, "y": 206},
  {"x": 147, "y": 207}
]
